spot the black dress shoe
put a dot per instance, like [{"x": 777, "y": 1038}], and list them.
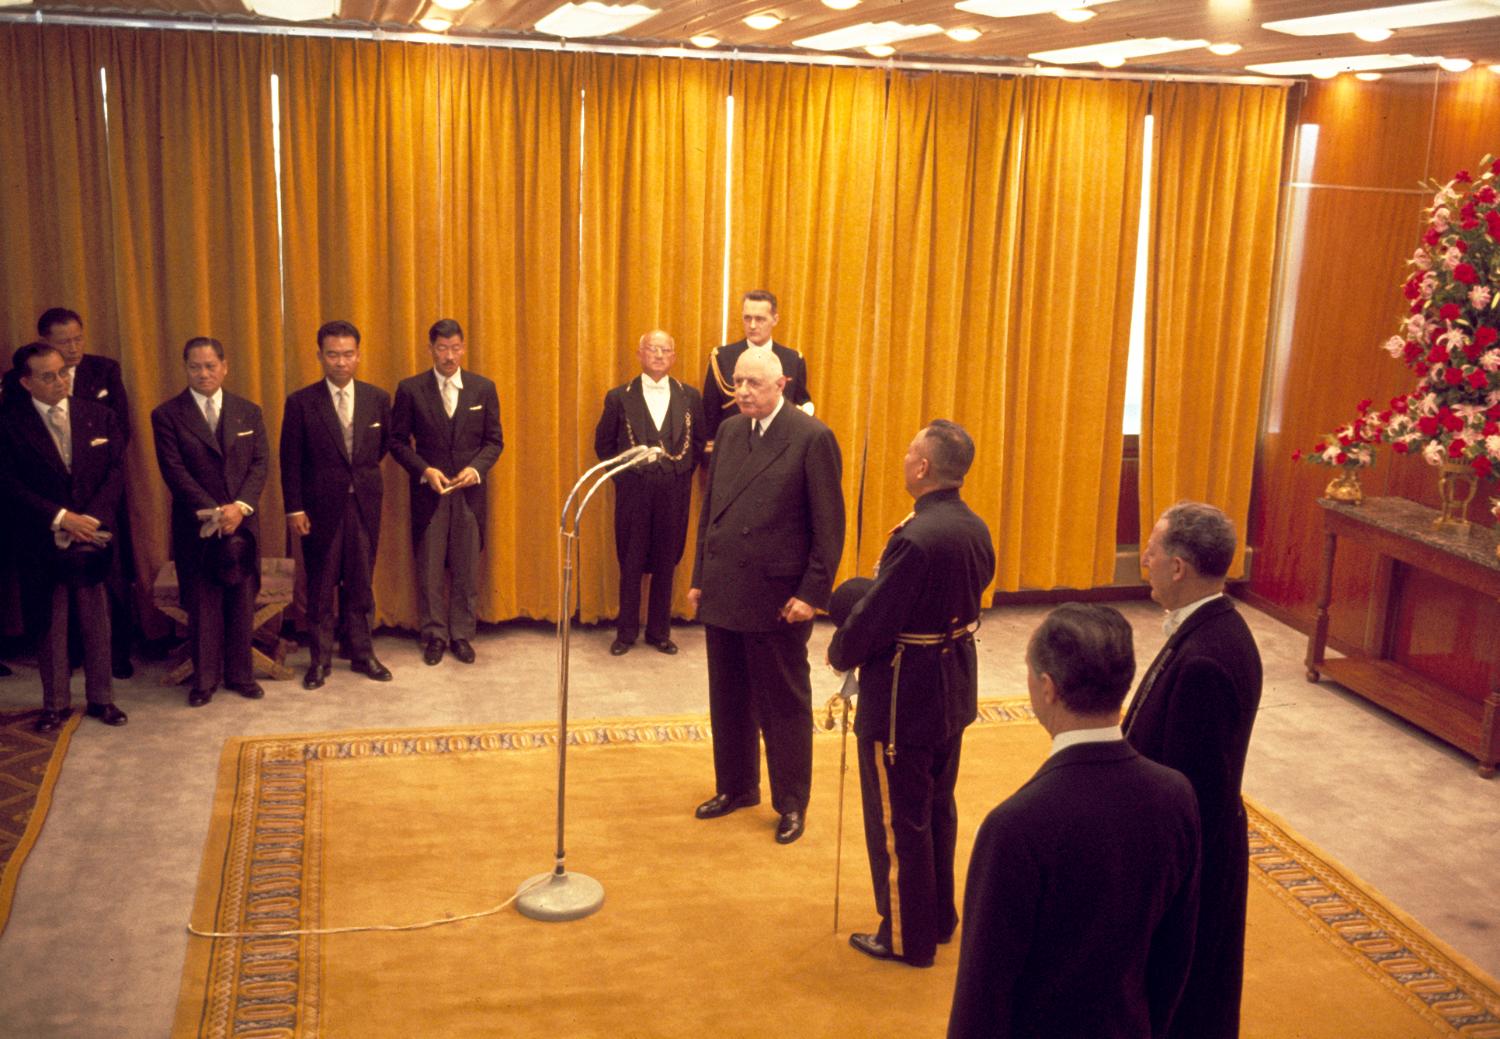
[
  {"x": 249, "y": 690},
  {"x": 199, "y": 697},
  {"x": 107, "y": 713},
  {"x": 790, "y": 827},
  {"x": 872, "y": 946},
  {"x": 122, "y": 669},
  {"x": 371, "y": 668},
  {"x": 723, "y": 804},
  {"x": 666, "y": 646},
  {"x": 316, "y": 675},
  {"x": 50, "y": 721},
  {"x": 462, "y": 650},
  {"x": 432, "y": 652},
  {"x": 618, "y": 648}
]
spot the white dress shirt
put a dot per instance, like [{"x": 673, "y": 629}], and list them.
[
  {"x": 1175, "y": 618},
  {"x": 45, "y": 410},
  {"x": 1073, "y": 737},
  {"x": 764, "y": 422},
  {"x": 457, "y": 379},
  {"x": 218, "y": 399},
  {"x": 658, "y": 397}
]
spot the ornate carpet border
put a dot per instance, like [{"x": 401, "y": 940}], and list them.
[
  {"x": 1455, "y": 997},
  {"x": 20, "y": 799}
]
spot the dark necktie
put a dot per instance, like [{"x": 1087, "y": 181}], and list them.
[{"x": 755, "y": 433}]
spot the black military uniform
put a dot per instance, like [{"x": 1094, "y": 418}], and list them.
[
  {"x": 912, "y": 638},
  {"x": 718, "y": 383}
]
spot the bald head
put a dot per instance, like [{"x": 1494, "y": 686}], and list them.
[
  {"x": 657, "y": 351},
  {"x": 758, "y": 382}
]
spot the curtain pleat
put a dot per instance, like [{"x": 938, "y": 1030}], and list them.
[{"x": 1212, "y": 260}]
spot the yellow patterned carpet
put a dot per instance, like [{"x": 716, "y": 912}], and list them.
[
  {"x": 29, "y": 763},
  {"x": 708, "y": 928}
]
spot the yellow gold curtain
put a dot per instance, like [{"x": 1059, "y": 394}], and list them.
[
  {"x": 653, "y": 257},
  {"x": 1213, "y": 242},
  {"x": 943, "y": 264},
  {"x": 1063, "y": 385},
  {"x": 807, "y": 143}
]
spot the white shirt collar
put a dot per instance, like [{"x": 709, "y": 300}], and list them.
[
  {"x": 765, "y": 423},
  {"x": 1073, "y": 737},
  {"x": 202, "y": 401},
  {"x": 458, "y": 379},
  {"x": 663, "y": 384},
  {"x": 44, "y": 409},
  {"x": 768, "y": 344},
  {"x": 333, "y": 391},
  {"x": 1176, "y": 617}
]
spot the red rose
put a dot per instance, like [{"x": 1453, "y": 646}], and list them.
[
  {"x": 1320, "y": 447},
  {"x": 1462, "y": 176},
  {"x": 1465, "y": 273},
  {"x": 1427, "y": 425},
  {"x": 1296, "y": 456},
  {"x": 1364, "y": 405},
  {"x": 1454, "y": 376},
  {"x": 1461, "y": 245},
  {"x": 1492, "y": 428},
  {"x": 1469, "y": 224},
  {"x": 1399, "y": 447},
  {"x": 1420, "y": 369},
  {"x": 1431, "y": 237},
  {"x": 1411, "y": 289},
  {"x": 1492, "y": 223},
  {"x": 1451, "y": 422},
  {"x": 1482, "y": 466},
  {"x": 1417, "y": 305},
  {"x": 1450, "y": 312},
  {"x": 1485, "y": 336},
  {"x": 1437, "y": 355},
  {"x": 1485, "y": 195},
  {"x": 1340, "y": 458},
  {"x": 1457, "y": 448},
  {"x": 1479, "y": 380},
  {"x": 1400, "y": 405}
]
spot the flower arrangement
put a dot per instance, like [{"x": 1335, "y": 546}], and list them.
[
  {"x": 1351, "y": 446},
  {"x": 1449, "y": 336}
]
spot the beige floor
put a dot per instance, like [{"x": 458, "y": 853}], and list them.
[{"x": 96, "y": 937}]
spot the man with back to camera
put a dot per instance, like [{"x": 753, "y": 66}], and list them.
[
  {"x": 1194, "y": 711},
  {"x": 334, "y": 434},
  {"x": 758, "y": 315},
  {"x": 651, "y": 501},
  {"x": 61, "y": 473},
  {"x": 211, "y": 447},
  {"x": 1082, "y": 891},
  {"x": 770, "y": 534},
  {"x": 445, "y": 432},
  {"x": 919, "y": 615}
]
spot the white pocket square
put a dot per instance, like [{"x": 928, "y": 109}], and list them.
[
  {"x": 245, "y": 433},
  {"x": 374, "y": 425},
  {"x": 103, "y": 393},
  {"x": 475, "y": 407},
  {"x": 98, "y": 440}
]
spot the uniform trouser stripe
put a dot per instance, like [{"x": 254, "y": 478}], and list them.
[{"x": 893, "y": 872}]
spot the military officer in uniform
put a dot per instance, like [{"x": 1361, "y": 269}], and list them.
[
  {"x": 912, "y": 637},
  {"x": 758, "y": 314}
]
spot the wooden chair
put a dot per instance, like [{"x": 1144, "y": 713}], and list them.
[{"x": 277, "y": 578}]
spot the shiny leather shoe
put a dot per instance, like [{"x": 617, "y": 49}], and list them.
[
  {"x": 50, "y": 721},
  {"x": 107, "y": 713},
  {"x": 618, "y": 648},
  {"x": 371, "y": 668},
  {"x": 316, "y": 675},
  {"x": 872, "y": 946},
  {"x": 432, "y": 652},
  {"x": 199, "y": 697},
  {"x": 723, "y": 804},
  {"x": 666, "y": 646},
  {"x": 790, "y": 828},
  {"x": 249, "y": 690},
  {"x": 462, "y": 650}
]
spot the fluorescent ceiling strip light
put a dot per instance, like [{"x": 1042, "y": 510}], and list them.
[
  {"x": 1403, "y": 16},
  {"x": 294, "y": 10},
  {"x": 1119, "y": 49},
  {"x": 1020, "y": 8},
  {"x": 1333, "y": 66},
  {"x": 866, "y": 34},
  {"x": 591, "y": 18}
]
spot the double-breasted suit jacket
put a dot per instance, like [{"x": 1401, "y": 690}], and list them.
[
  {"x": 423, "y": 436},
  {"x": 1193, "y": 712},
  {"x": 317, "y": 473}
]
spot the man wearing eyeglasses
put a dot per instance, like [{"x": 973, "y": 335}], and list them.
[{"x": 651, "y": 501}]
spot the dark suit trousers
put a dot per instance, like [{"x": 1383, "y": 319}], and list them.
[
  {"x": 759, "y": 684},
  {"x": 90, "y": 607},
  {"x": 219, "y": 630},
  {"x": 911, "y": 830},
  {"x": 341, "y": 570},
  {"x": 651, "y": 517},
  {"x": 447, "y": 566}
]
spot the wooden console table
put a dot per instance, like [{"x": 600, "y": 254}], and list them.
[{"x": 1398, "y": 530}]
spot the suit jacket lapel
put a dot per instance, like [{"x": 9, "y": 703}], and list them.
[
  {"x": 35, "y": 428},
  {"x": 193, "y": 419},
  {"x": 636, "y": 412},
  {"x": 364, "y": 416},
  {"x": 1199, "y": 616},
  {"x": 672, "y": 434},
  {"x": 773, "y": 443}
]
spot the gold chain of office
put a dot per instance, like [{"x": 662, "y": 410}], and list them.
[{"x": 687, "y": 438}]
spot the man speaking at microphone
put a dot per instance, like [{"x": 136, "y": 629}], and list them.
[{"x": 770, "y": 535}]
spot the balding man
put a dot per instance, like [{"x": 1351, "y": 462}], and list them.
[
  {"x": 1193, "y": 711},
  {"x": 651, "y": 502},
  {"x": 770, "y": 534}
]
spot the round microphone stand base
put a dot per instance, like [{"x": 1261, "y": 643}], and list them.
[{"x": 565, "y": 896}]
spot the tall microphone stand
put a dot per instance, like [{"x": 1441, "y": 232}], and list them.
[{"x": 560, "y": 895}]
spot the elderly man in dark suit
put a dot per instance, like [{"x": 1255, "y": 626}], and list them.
[
  {"x": 211, "y": 447},
  {"x": 912, "y": 637},
  {"x": 60, "y": 465},
  {"x": 334, "y": 434},
  {"x": 759, "y": 316},
  {"x": 97, "y": 378},
  {"x": 770, "y": 535},
  {"x": 1082, "y": 889},
  {"x": 1193, "y": 712},
  {"x": 651, "y": 502},
  {"x": 445, "y": 432}
]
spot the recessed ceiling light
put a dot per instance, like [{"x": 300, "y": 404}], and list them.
[
  {"x": 1367, "y": 77},
  {"x": 1401, "y": 16},
  {"x": 1223, "y": 50},
  {"x": 453, "y": 5},
  {"x": 1111, "y": 61},
  {"x": 880, "y": 50},
  {"x": 436, "y": 23},
  {"x": 763, "y": 21},
  {"x": 1347, "y": 63},
  {"x": 1455, "y": 64},
  {"x": 1020, "y": 8},
  {"x": 591, "y": 18},
  {"x": 1076, "y": 15},
  {"x": 704, "y": 40},
  {"x": 294, "y": 10},
  {"x": 964, "y": 34},
  {"x": 866, "y": 34},
  {"x": 1374, "y": 34},
  {"x": 1325, "y": 73},
  {"x": 1122, "y": 49},
  {"x": 841, "y": 5},
  {"x": 1495, "y": 69}
]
